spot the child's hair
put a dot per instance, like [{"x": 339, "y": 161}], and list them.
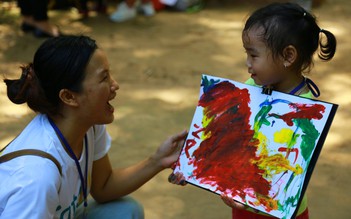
[
  {"x": 285, "y": 24},
  {"x": 59, "y": 63}
]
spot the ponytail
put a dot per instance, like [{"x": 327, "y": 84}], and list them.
[
  {"x": 17, "y": 89},
  {"x": 27, "y": 89},
  {"x": 328, "y": 46}
]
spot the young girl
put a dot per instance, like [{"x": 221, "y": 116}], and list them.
[
  {"x": 280, "y": 40},
  {"x": 70, "y": 87}
]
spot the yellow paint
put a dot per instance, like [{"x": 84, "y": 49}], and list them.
[
  {"x": 277, "y": 163},
  {"x": 283, "y": 136},
  {"x": 262, "y": 147},
  {"x": 205, "y": 122},
  {"x": 268, "y": 202}
]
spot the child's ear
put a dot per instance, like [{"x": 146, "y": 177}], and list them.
[
  {"x": 289, "y": 55},
  {"x": 68, "y": 97}
]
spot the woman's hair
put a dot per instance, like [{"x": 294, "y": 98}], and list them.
[
  {"x": 287, "y": 24},
  {"x": 59, "y": 63}
]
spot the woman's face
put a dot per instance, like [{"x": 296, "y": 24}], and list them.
[{"x": 99, "y": 88}]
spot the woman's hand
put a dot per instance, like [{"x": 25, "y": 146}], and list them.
[{"x": 168, "y": 152}]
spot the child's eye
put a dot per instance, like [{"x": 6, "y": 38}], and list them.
[{"x": 252, "y": 55}]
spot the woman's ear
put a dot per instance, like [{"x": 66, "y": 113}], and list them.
[
  {"x": 289, "y": 55},
  {"x": 68, "y": 97}
]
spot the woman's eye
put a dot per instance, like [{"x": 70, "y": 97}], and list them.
[{"x": 104, "y": 78}]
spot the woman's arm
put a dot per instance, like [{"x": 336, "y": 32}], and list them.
[{"x": 109, "y": 184}]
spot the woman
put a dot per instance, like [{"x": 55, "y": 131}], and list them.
[{"x": 70, "y": 86}]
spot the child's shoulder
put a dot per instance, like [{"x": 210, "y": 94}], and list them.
[
  {"x": 308, "y": 94},
  {"x": 251, "y": 81}
]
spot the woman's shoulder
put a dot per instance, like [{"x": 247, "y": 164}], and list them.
[
  {"x": 38, "y": 134},
  {"x": 28, "y": 178},
  {"x": 30, "y": 172}
]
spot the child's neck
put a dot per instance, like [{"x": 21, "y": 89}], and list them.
[{"x": 288, "y": 85}]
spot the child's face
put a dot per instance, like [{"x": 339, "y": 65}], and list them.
[
  {"x": 98, "y": 89},
  {"x": 264, "y": 69}
]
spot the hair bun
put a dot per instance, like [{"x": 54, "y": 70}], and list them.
[{"x": 14, "y": 88}]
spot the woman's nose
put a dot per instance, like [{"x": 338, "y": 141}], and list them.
[{"x": 114, "y": 84}]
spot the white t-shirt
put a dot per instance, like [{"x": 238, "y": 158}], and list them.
[{"x": 32, "y": 187}]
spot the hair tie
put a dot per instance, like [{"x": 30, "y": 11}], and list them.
[
  {"x": 321, "y": 30},
  {"x": 25, "y": 73},
  {"x": 304, "y": 14},
  {"x": 28, "y": 72}
]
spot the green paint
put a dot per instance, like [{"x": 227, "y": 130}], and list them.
[
  {"x": 308, "y": 138},
  {"x": 207, "y": 84},
  {"x": 293, "y": 140},
  {"x": 291, "y": 201},
  {"x": 261, "y": 118}
]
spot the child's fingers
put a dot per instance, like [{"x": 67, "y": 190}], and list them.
[
  {"x": 232, "y": 203},
  {"x": 177, "y": 178},
  {"x": 181, "y": 179},
  {"x": 171, "y": 178}
]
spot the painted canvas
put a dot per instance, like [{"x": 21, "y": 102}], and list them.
[{"x": 258, "y": 149}]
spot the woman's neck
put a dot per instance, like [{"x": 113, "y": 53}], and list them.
[{"x": 73, "y": 132}]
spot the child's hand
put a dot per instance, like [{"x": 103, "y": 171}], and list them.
[
  {"x": 177, "y": 178},
  {"x": 231, "y": 203},
  {"x": 234, "y": 204}
]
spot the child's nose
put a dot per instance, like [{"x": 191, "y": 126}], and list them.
[{"x": 248, "y": 63}]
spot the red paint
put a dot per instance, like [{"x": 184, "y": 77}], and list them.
[
  {"x": 191, "y": 142},
  {"x": 196, "y": 133},
  {"x": 224, "y": 159},
  {"x": 288, "y": 150},
  {"x": 303, "y": 111}
]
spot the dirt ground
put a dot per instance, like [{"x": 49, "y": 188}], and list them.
[{"x": 158, "y": 63}]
